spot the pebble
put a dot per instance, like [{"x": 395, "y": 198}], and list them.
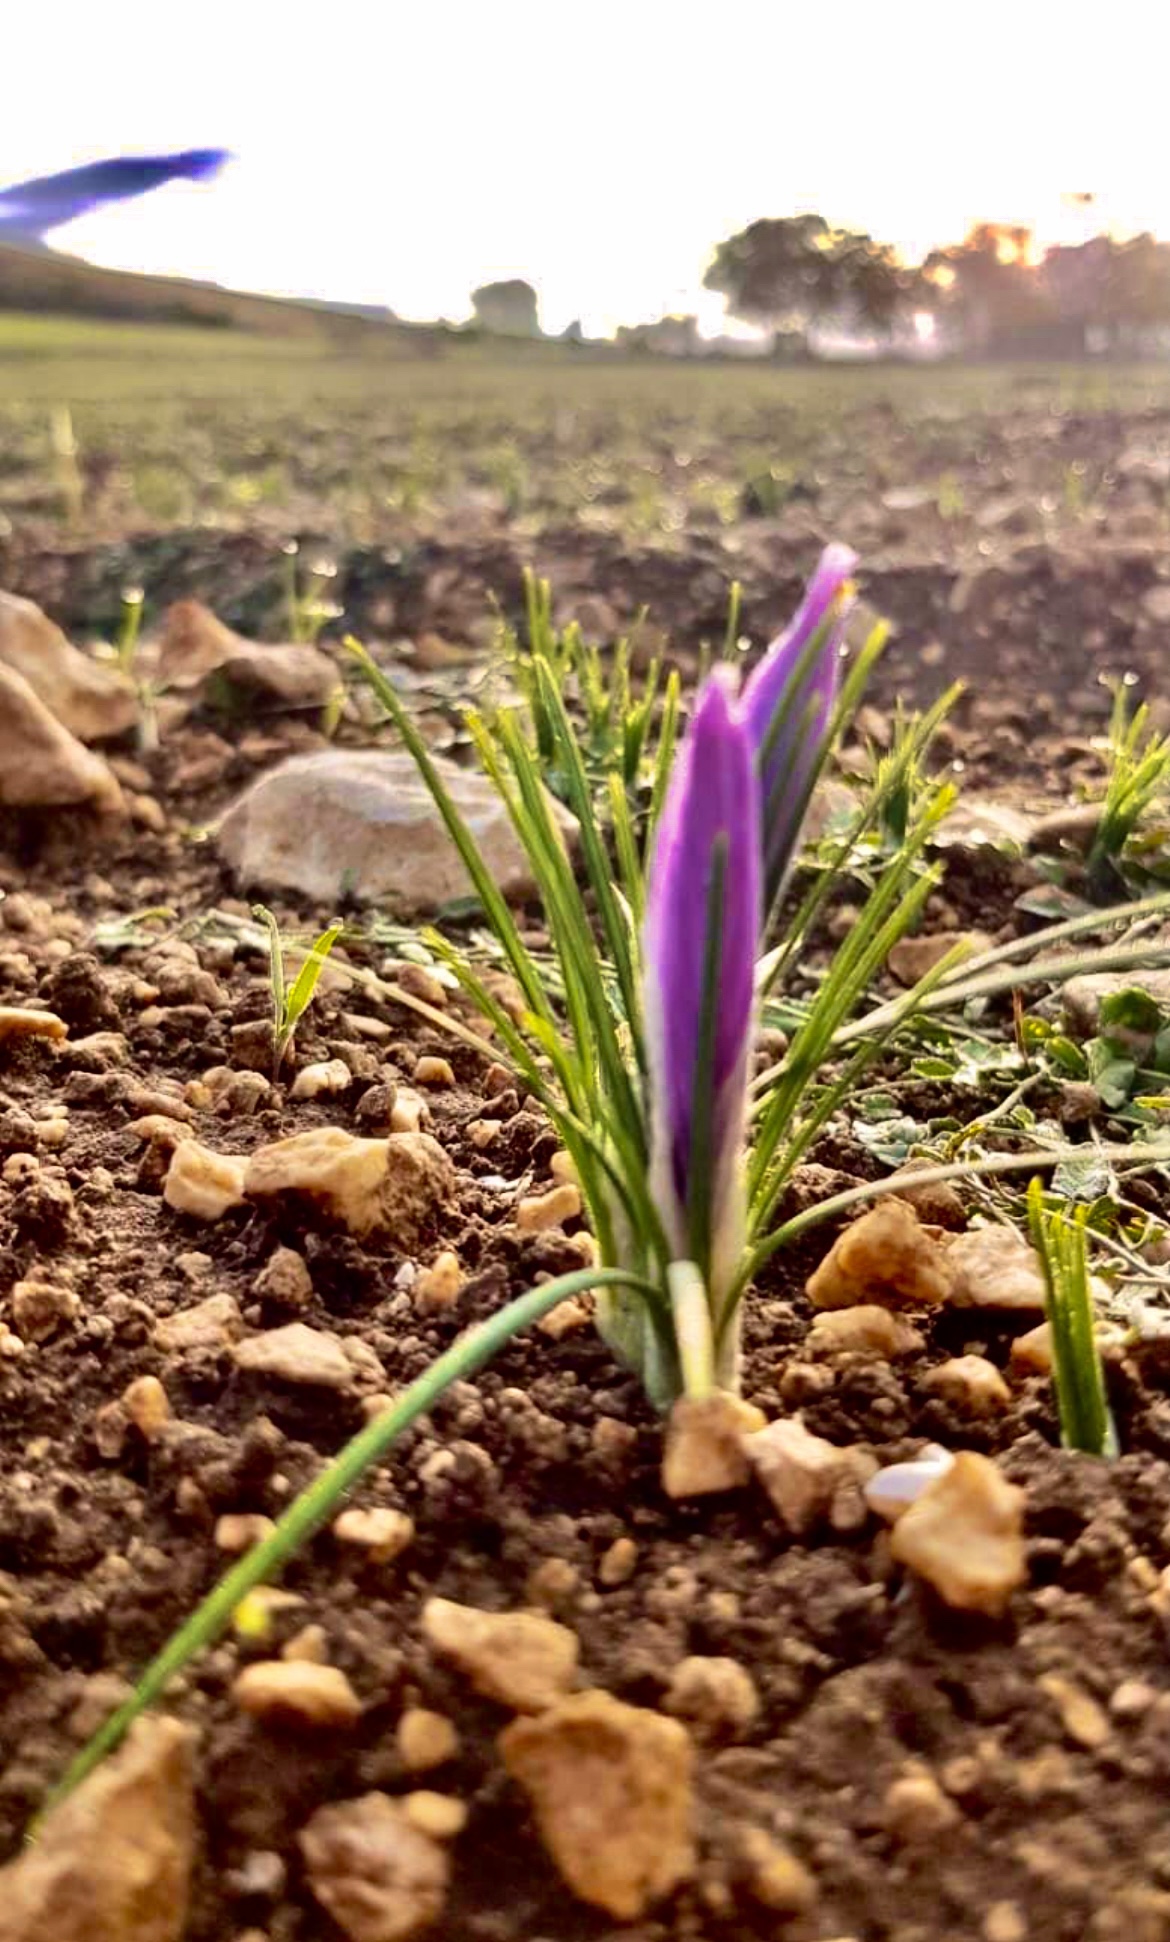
[
  {"x": 971, "y": 1383},
  {"x": 441, "y": 1816},
  {"x": 327, "y": 1077},
  {"x": 612, "y": 1792},
  {"x": 204, "y": 1184},
  {"x": 1082, "y": 1718},
  {"x": 388, "y": 1188},
  {"x": 773, "y": 1877},
  {"x": 553, "y": 1584},
  {"x": 538, "y": 1212},
  {"x": 41, "y": 1308},
  {"x": 285, "y": 1281},
  {"x": 1005, "y": 1922},
  {"x": 917, "y": 1810},
  {"x": 18, "y": 1021},
  {"x": 409, "y": 1112},
  {"x": 297, "y": 1690},
  {"x": 147, "y": 1408},
  {"x": 430, "y": 1071},
  {"x": 439, "y": 1286},
  {"x": 296, "y": 1353},
  {"x": 569, "y": 1316},
  {"x": 214, "y": 1323},
  {"x": 886, "y": 1258},
  {"x": 238, "y": 1531},
  {"x": 524, "y": 1660},
  {"x": 865, "y": 1330},
  {"x": 618, "y": 1564},
  {"x": 425, "y": 1739},
  {"x": 716, "y": 1695},
  {"x": 801, "y": 1473},
  {"x": 309, "y": 1646},
  {"x": 994, "y": 1267},
  {"x": 484, "y": 1133},
  {"x": 382, "y": 1534},
  {"x": 964, "y": 1535},
  {"x": 704, "y": 1451},
  {"x": 379, "y": 1877}
]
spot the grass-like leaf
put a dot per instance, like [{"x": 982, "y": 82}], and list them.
[{"x": 1078, "y": 1377}]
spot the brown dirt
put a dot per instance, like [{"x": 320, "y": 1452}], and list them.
[{"x": 861, "y": 1676}]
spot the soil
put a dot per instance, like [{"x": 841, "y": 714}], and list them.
[{"x": 521, "y": 1481}]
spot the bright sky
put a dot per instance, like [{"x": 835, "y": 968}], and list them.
[{"x": 402, "y": 154}]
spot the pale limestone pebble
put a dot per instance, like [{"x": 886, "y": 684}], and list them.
[
  {"x": 11, "y": 1346},
  {"x": 441, "y": 1816},
  {"x": 147, "y": 1407},
  {"x": 803, "y": 1474},
  {"x": 772, "y": 1876},
  {"x": 439, "y": 1286},
  {"x": 43, "y": 766},
  {"x": 426, "y": 1739},
  {"x": 234, "y": 1095},
  {"x": 381, "y": 1533},
  {"x": 308, "y": 1647},
  {"x": 618, "y": 1563},
  {"x": 285, "y": 1281},
  {"x": 364, "y": 1361},
  {"x": 715, "y": 1695},
  {"x": 886, "y": 1258},
  {"x": 193, "y": 1265},
  {"x": 430, "y": 1071},
  {"x": 971, "y": 1383},
  {"x": 537, "y": 1213},
  {"x": 90, "y": 699},
  {"x": 484, "y": 1133},
  {"x": 52, "y": 1133},
  {"x": 18, "y": 1021},
  {"x": 570, "y": 1316},
  {"x": 160, "y": 1131},
  {"x": 417, "y": 981},
  {"x": 611, "y": 1441},
  {"x": 237, "y": 1531},
  {"x": 378, "y": 1875},
  {"x": 114, "y": 1860},
  {"x": 1005, "y": 1922},
  {"x": 147, "y": 812},
  {"x": 410, "y": 1112},
  {"x": 964, "y": 1535},
  {"x": 553, "y": 1584},
  {"x": 41, "y": 1308},
  {"x": 297, "y": 1691},
  {"x": 996, "y": 1268},
  {"x": 523, "y": 1660},
  {"x": 935, "y": 1202},
  {"x": 1132, "y": 1699},
  {"x": 864, "y": 1330},
  {"x": 1082, "y": 1718},
  {"x": 298, "y": 1354},
  {"x": 611, "y": 1787},
  {"x": 563, "y": 1168},
  {"x": 110, "y": 1428},
  {"x": 705, "y": 1444},
  {"x": 916, "y": 1810},
  {"x": 214, "y": 1323},
  {"x": 360, "y": 1025},
  {"x": 1031, "y": 1354},
  {"x": 326, "y": 1077},
  {"x": 389, "y": 1187},
  {"x": 204, "y": 1184},
  {"x": 891, "y": 1491},
  {"x": 912, "y": 957}
]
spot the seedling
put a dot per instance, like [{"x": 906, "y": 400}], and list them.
[
  {"x": 1078, "y": 1377},
  {"x": 290, "y": 1002},
  {"x": 1139, "y": 779}
]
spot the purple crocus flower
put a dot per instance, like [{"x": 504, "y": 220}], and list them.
[
  {"x": 788, "y": 704},
  {"x": 702, "y": 938}
]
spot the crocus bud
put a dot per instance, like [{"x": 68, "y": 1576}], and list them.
[
  {"x": 701, "y": 942},
  {"x": 788, "y": 704}
]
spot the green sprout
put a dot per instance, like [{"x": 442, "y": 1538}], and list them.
[
  {"x": 1139, "y": 778},
  {"x": 290, "y": 1002},
  {"x": 1078, "y": 1377},
  {"x": 307, "y": 607},
  {"x": 63, "y": 444}
]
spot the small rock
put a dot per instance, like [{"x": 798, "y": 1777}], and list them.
[
  {"x": 40, "y": 1308},
  {"x": 971, "y": 1383},
  {"x": 297, "y": 1691},
  {"x": 802, "y": 1473},
  {"x": 381, "y": 1533},
  {"x": 18, "y": 1022},
  {"x": 311, "y": 1357},
  {"x": 484, "y": 1133},
  {"x": 538, "y": 1212},
  {"x": 284, "y": 1280},
  {"x": 214, "y": 1323},
  {"x": 611, "y": 1789},
  {"x": 704, "y": 1450},
  {"x": 439, "y": 1815},
  {"x": 983, "y": 822},
  {"x": 430, "y": 1071},
  {"x": 569, "y": 1316},
  {"x": 1075, "y": 825},
  {"x": 408, "y": 1111},
  {"x": 377, "y": 1874},
  {"x": 618, "y": 1564},
  {"x": 237, "y": 1531},
  {"x": 917, "y": 1810},
  {"x": 1082, "y": 997},
  {"x": 113, "y": 1862},
  {"x": 865, "y": 1330},
  {"x": 204, "y": 1184},
  {"x": 388, "y": 1188},
  {"x": 43, "y": 766},
  {"x": 196, "y": 650},
  {"x": 147, "y": 1408},
  {"x": 439, "y": 1286},
  {"x": 361, "y": 822},
  {"x": 521, "y": 1659},
  {"x": 912, "y": 957},
  {"x": 994, "y": 1267},
  {"x": 1031, "y": 1353},
  {"x": 426, "y": 1739},
  {"x": 1005, "y": 1922},
  {"x": 886, "y": 1258},
  {"x": 328, "y": 1076},
  {"x": 935, "y": 1202},
  {"x": 90, "y": 700},
  {"x": 1082, "y": 1718},
  {"x": 308, "y": 1647},
  {"x": 716, "y": 1695},
  {"x": 160, "y": 1131},
  {"x": 964, "y": 1535},
  {"x": 771, "y": 1876}
]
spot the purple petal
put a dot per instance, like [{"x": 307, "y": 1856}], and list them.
[{"x": 713, "y": 794}]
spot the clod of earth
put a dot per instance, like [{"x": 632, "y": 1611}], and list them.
[
  {"x": 90, "y": 701},
  {"x": 886, "y": 1258},
  {"x": 373, "y": 1870},
  {"x": 521, "y": 1659},
  {"x": 114, "y": 1861},
  {"x": 360, "y": 822},
  {"x": 611, "y": 1788},
  {"x": 386, "y": 1189},
  {"x": 43, "y": 766},
  {"x": 716, "y": 1696},
  {"x": 965, "y": 1536}
]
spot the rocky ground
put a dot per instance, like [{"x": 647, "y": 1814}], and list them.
[{"x": 518, "y": 1689}]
